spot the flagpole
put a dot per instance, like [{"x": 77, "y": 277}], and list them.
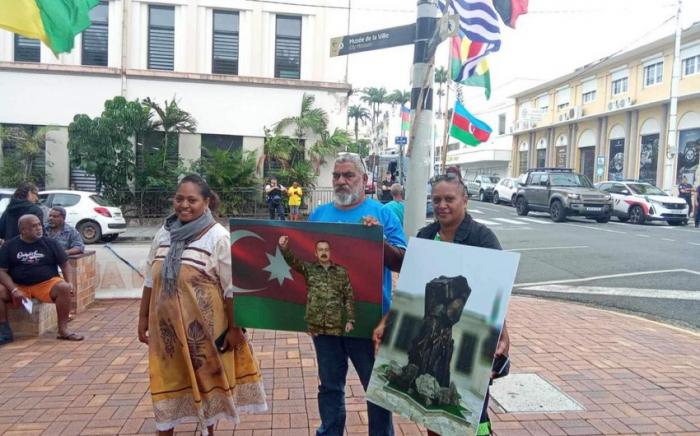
[{"x": 445, "y": 135}]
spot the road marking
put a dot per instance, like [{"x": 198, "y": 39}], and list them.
[
  {"x": 644, "y": 236},
  {"x": 594, "y": 228},
  {"x": 575, "y": 247},
  {"x": 693, "y": 243},
  {"x": 487, "y": 222},
  {"x": 506, "y": 220},
  {"x": 669, "y": 240},
  {"x": 620, "y": 292},
  {"x": 475, "y": 211},
  {"x": 488, "y": 208},
  {"x": 530, "y": 220},
  {"x": 611, "y": 276}
]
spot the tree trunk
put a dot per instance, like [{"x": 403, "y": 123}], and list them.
[{"x": 356, "y": 129}]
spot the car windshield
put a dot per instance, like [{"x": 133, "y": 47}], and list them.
[
  {"x": 491, "y": 179},
  {"x": 101, "y": 201},
  {"x": 570, "y": 179},
  {"x": 642, "y": 189}
]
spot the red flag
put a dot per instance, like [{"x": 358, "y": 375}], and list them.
[{"x": 510, "y": 10}]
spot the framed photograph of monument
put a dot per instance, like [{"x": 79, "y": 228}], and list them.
[
  {"x": 434, "y": 363},
  {"x": 322, "y": 278}
]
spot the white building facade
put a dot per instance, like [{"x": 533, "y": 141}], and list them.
[{"x": 237, "y": 66}]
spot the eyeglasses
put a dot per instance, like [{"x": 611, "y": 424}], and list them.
[
  {"x": 444, "y": 177},
  {"x": 35, "y": 193}
]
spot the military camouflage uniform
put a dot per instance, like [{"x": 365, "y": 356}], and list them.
[{"x": 328, "y": 291}]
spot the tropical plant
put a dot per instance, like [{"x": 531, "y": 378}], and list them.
[
  {"x": 225, "y": 169},
  {"x": 102, "y": 147},
  {"x": 23, "y": 165},
  {"x": 310, "y": 119},
  {"x": 399, "y": 98},
  {"x": 302, "y": 172},
  {"x": 374, "y": 97},
  {"x": 360, "y": 147},
  {"x": 275, "y": 148},
  {"x": 359, "y": 113},
  {"x": 329, "y": 144},
  {"x": 440, "y": 79},
  {"x": 172, "y": 120}
]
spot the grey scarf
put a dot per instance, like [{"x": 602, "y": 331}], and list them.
[{"x": 181, "y": 234}]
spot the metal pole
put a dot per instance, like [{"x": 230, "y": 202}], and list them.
[
  {"x": 672, "y": 124},
  {"x": 419, "y": 156}
]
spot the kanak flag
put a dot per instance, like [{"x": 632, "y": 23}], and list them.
[{"x": 269, "y": 294}]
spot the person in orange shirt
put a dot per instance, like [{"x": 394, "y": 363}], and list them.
[{"x": 295, "y": 193}]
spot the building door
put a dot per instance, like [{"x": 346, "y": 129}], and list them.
[
  {"x": 561, "y": 157},
  {"x": 588, "y": 162},
  {"x": 541, "y": 158},
  {"x": 523, "y": 161}
]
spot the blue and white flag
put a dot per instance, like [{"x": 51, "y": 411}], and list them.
[{"x": 478, "y": 21}]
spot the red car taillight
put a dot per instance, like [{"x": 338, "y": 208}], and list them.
[{"x": 103, "y": 211}]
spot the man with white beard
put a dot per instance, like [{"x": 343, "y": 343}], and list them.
[{"x": 351, "y": 205}]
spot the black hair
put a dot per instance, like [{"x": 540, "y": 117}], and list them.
[
  {"x": 23, "y": 190},
  {"x": 206, "y": 191},
  {"x": 60, "y": 210}
]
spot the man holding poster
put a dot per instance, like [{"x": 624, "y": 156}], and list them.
[
  {"x": 329, "y": 290},
  {"x": 351, "y": 205}
]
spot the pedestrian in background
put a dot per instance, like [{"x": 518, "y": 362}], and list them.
[
  {"x": 202, "y": 367},
  {"x": 23, "y": 202},
  {"x": 396, "y": 206},
  {"x": 274, "y": 193},
  {"x": 697, "y": 207},
  {"x": 386, "y": 188},
  {"x": 685, "y": 191},
  {"x": 295, "y": 193}
]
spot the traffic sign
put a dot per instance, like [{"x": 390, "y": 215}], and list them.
[
  {"x": 401, "y": 140},
  {"x": 375, "y": 40}
]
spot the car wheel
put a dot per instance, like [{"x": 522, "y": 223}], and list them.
[
  {"x": 637, "y": 215},
  {"x": 604, "y": 219},
  {"x": 496, "y": 200},
  {"x": 110, "y": 238},
  {"x": 482, "y": 196},
  {"x": 556, "y": 212},
  {"x": 512, "y": 200},
  {"x": 90, "y": 231},
  {"x": 521, "y": 207},
  {"x": 623, "y": 219}
]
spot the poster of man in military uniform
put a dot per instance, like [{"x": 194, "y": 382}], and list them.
[
  {"x": 330, "y": 295},
  {"x": 312, "y": 277}
]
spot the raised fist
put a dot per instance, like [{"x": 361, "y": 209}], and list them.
[{"x": 284, "y": 240}]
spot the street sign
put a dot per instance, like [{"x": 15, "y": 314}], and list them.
[
  {"x": 401, "y": 140},
  {"x": 448, "y": 25},
  {"x": 375, "y": 40}
]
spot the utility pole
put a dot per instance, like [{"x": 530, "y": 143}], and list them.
[
  {"x": 422, "y": 103},
  {"x": 672, "y": 144}
]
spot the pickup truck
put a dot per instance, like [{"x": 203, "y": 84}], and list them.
[
  {"x": 482, "y": 185},
  {"x": 562, "y": 193}
]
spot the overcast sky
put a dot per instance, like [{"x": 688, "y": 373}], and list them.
[{"x": 556, "y": 37}]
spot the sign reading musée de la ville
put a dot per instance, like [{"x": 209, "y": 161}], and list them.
[{"x": 375, "y": 40}]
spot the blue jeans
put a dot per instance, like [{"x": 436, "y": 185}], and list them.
[{"x": 332, "y": 353}]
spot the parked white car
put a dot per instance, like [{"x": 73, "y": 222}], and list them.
[
  {"x": 505, "y": 191},
  {"x": 5, "y": 196},
  {"x": 91, "y": 214},
  {"x": 641, "y": 202}
]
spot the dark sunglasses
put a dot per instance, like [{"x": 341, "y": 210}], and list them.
[{"x": 445, "y": 177}]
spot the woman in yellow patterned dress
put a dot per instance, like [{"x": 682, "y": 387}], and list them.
[{"x": 186, "y": 306}]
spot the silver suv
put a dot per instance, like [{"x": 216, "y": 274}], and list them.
[{"x": 562, "y": 192}]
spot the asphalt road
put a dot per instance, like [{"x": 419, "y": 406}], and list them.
[{"x": 652, "y": 269}]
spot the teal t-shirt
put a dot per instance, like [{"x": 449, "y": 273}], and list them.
[{"x": 397, "y": 208}]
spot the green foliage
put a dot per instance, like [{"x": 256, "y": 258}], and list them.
[
  {"x": 276, "y": 147},
  {"x": 360, "y": 147},
  {"x": 23, "y": 164},
  {"x": 310, "y": 119},
  {"x": 398, "y": 98},
  {"x": 225, "y": 170},
  {"x": 329, "y": 144},
  {"x": 102, "y": 146},
  {"x": 440, "y": 79},
  {"x": 302, "y": 172},
  {"x": 374, "y": 97},
  {"x": 359, "y": 113}
]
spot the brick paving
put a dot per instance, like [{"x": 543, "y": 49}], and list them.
[{"x": 632, "y": 375}]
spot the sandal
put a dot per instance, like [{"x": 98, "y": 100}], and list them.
[{"x": 71, "y": 337}]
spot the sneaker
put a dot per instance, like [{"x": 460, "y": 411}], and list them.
[{"x": 5, "y": 333}]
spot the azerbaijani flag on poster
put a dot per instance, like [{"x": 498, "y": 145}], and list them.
[
  {"x": 468, "y": 129},
  {"x": 268, "y": 294},
  {"x": 405, "y": 118},
  {"x": 55, "y": 22},
  {"x": 463, "y": 51}
]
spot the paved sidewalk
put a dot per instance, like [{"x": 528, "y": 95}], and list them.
[
  {"x": 138, "y": 234},
  {"x": 633, "y": 376}
]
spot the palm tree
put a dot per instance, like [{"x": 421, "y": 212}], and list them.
[
  {"x": 276, "y": 147},
  {"x": 440, "y": 79},
  {"x": 399, "y": 98},
  {"x": 172, "y": 120},
  {"x": 24, "y": 164},
  {"x": 374, "y": 97},
  {"x": 310, "y": 119},
  {"x": 330, "y": 143},
  {"x": 359, "y": 113}
]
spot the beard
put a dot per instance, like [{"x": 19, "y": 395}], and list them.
[{"x": 345, "y": 195}]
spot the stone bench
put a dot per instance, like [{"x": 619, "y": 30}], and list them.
[{"x": 43, "y": 318}]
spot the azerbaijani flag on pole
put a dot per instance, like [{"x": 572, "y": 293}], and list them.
[
  {"x": 55, "y": 22},
  {"x": 405, "y": 118},
  {"x": 467, "y": 128}
]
